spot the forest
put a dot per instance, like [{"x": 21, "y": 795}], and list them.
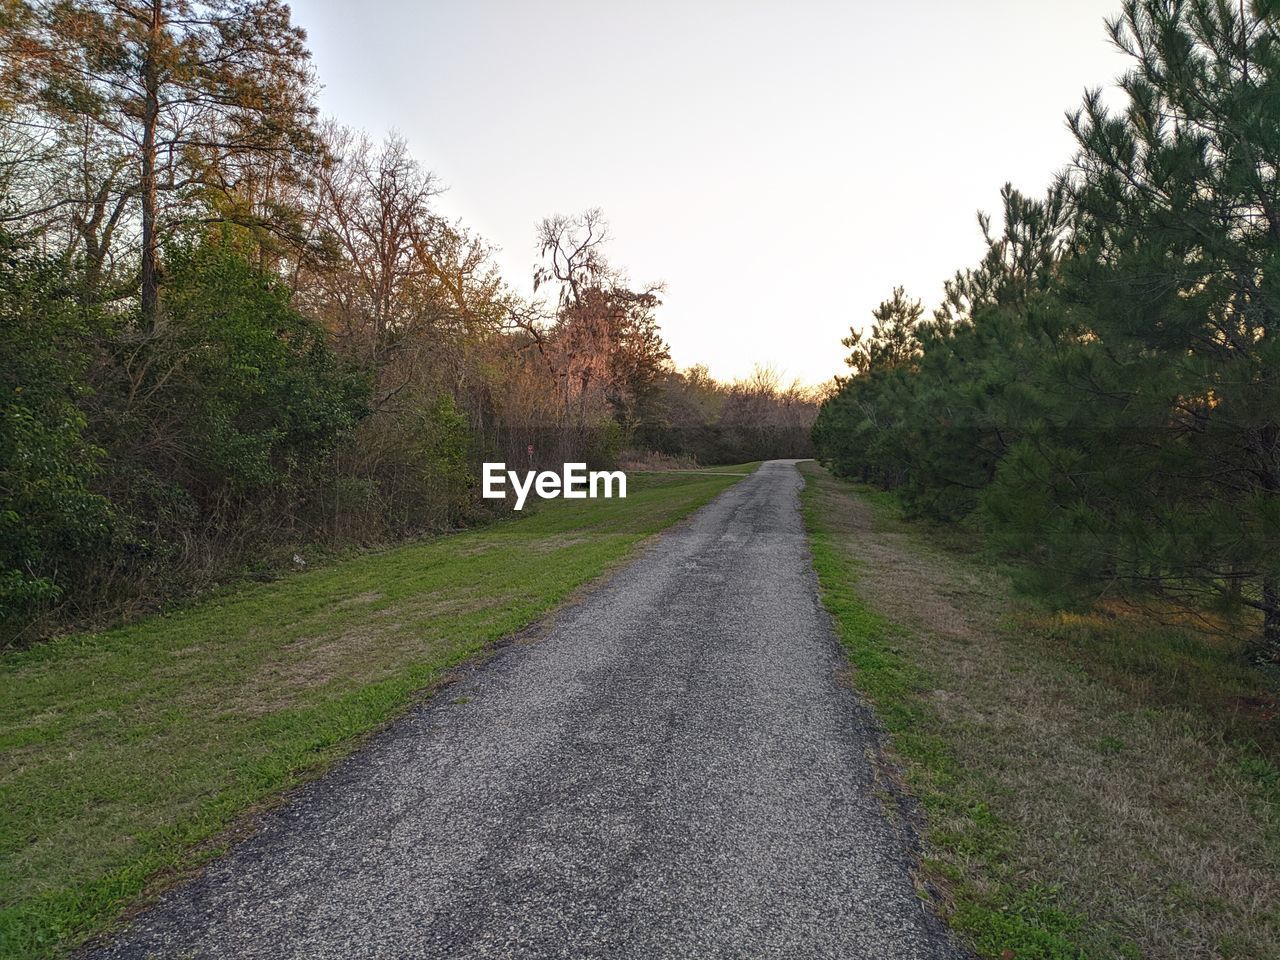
[
  {"x": 1099, "y": 397},
  {"x": 235, "y": 331}
]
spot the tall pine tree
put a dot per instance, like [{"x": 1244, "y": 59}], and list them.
[
  {"x": 1158, "y": 463},
  {"x": 196, "y": 92}
]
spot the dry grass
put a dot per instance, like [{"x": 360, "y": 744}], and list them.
[
  {"x": 1121, "y": 771},
  {"x": 651, "y": 460}
]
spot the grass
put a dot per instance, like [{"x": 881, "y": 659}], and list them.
[
  {"x": 1090, "y": 785},
  {"x": 130, "y": 755}
]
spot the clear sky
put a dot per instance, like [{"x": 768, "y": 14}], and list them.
[{"x": 780, "y": 165}]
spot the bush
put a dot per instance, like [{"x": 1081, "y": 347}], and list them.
[
  {"x": 219, "y": 426},
  {"x": 51, "y": 523}
]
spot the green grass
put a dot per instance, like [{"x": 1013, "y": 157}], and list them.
[
  {"x": 1091, "y": 785},
  {"x": 993, "y": 920},
  {"x": 129, "y": 755}
]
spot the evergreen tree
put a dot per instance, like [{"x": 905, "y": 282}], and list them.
[
  {"x": 1159, "y": 464},
  {"x": 933, "y": 413},
  {"x": 195, "y": 92},
  {"x": 892, "y": 341},
  {"x": 858, "y": 428}
]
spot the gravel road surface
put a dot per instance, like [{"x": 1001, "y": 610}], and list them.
[{"x": 674, "y": 770}]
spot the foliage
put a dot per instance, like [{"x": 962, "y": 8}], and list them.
[
  {"x": 892, "y": 342},
  {"x": 419, "y": 459},
  {"x": 693, "y": 415},
  {"x": 270, "y": 341},
  {"x": 205, "y": 95},
  {"x": 51, "y": 522},
  {"x": 1101, "y": 392},
  {"x": 1038, "y": 745},
  {"x": 227, "y": 411},
  {"x": 264, "y": 398}
]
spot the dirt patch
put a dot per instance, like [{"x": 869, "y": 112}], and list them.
[
  {"x": 903, "y": 582},
  {"x": 360, "y": 599},
  {"x": 562, "y": 542}
]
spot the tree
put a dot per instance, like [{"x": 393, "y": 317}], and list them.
[
  {"x": 858, "y": 425},
  {"x": 892, "y": 341},
  {"x": 935, "y": 404},
  {"x": 195, "y": 92},
  {"x": 374, "y": 203},
  {"x": 52, "y": 523},
  {"x": 1161, "y": 469},
  {"x": 1102, "y": 392},
  {"x": 602, "y": 344}
]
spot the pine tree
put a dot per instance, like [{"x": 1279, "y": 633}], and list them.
[
  {"x": 932, "y": 412},
  {"x": 1159, "y": 465},
  {"x": 891, "y": 342},
  {"x": 196, "y": 91}
]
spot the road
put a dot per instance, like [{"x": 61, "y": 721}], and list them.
[{"x": 674, "y": 770}]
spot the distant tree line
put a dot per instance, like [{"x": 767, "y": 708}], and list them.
[
  {"x": 229, "y": 328},
  {"x": 1101, "y": 394}
]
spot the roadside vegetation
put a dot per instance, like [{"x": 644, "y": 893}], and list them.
[
  {"x": 1090, "y": 784},
  {"x": 1075, "y": 645},
  {"x": 126, "y": 756},
  {"x": 1099, "y": 398},
  {"x": 231, "y": 330}
]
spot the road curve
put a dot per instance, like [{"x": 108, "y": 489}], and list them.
[{"x": 674, "y": 770}]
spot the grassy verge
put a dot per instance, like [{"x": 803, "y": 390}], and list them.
[
  {"x": 126, "y": 755},
  {"x": 1091, "y": 785}
]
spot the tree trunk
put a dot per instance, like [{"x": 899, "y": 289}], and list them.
[
  {"x": 1271, "y": 619},
  {"x": 150, "y": 121}
]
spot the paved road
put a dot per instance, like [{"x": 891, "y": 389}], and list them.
[{"x": 675, "y": 770}]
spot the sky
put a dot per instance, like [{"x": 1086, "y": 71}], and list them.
[{"x": 781, "y": 166}]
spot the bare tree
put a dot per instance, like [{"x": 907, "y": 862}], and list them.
[
  {"x": 602, "y": 343},
  {"x": 404, "y": 290}
]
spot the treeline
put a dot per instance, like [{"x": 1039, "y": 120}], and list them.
[
  {"x": 1101, "y": 394},
  {"x": 230, "y": 329}
]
